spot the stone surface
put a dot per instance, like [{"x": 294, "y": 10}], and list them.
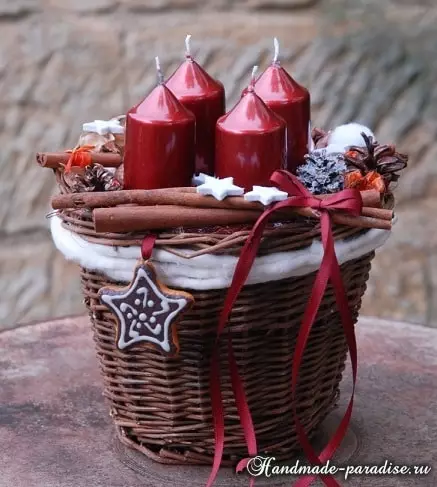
[
  {"x": 66, "y": 62},
  {"x": 163, "y": 5},
  {"x": 95, "y": 6},
  {"x": 17, "y": 9},
  {"x": 55, "y": 429},
  {"x": 29, "y": 267},
  {"x": 280, "y": 4}
]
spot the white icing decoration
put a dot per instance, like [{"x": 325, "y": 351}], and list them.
[
  {"x": 265, "y": 195},
  {"x": 219, "y": 188},
  {"x": 104, "y": 127},
  {"x": 115, "y": 302},
  {"x": 206, "y": 271}
]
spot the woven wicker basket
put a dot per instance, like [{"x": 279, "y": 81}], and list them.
[{"x": 161, "y": 405}]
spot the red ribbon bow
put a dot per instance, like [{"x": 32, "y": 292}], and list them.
[{"x": 349, "y": 201}]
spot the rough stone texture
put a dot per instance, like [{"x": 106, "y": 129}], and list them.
[
  {"x": 65, "y": 62},
  {"x": 55, "y": 429},
  {"x": 16, "y": 9}
]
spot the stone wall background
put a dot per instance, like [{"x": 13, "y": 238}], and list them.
[{"x": 63, "y": 62}]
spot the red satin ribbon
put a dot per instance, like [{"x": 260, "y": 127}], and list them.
[
  {"x": 348, "y": 201},
  {"x": 147, "y": 246}
]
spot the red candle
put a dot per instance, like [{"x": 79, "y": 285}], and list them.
[
  {"x": 250, "y": 142},
  {"x": 205, "y": 98},
  {"x": 160, "y": 136},
  {"x": 291, "y": 101}
]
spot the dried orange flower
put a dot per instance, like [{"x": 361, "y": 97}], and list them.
[
  {"x": 372, "y": 180},
  {"x": 79, "y": 157}
]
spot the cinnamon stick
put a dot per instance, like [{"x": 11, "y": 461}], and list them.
[
  {"x": 381, "y": 213},
  {"x": 139, "y": 218},
  {"x": 171, "y": 196},
  {"x": 54, "y": 160},
  {"x": 371, "y": 198},
  {"x": 132, "y": 218}
]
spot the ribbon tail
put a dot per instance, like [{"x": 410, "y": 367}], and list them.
[
  {"x": 349, "y": 330},
  {"x": 242, "y": 406},
  {"x": 218, "y": 417},
  {"x": 242, "y": 270},
  {"x": 310, "y": 315}
]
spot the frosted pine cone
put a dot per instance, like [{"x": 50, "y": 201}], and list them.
[{"x": 323, "y": 173}]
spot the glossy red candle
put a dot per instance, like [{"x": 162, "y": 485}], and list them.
[
  {"x": 250, "y": 142},
  {"x": 205, "y": 98},
  {"x": 291, "y": 101},
  {"x": 159, "y": 149}
]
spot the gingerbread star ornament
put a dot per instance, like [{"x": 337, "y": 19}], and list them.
[{"x": 147, "y": 311}]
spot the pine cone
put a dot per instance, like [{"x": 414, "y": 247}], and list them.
[
  {"x": 375, "y": 157},
  {"x": 323, "y": 172},
  {"x": 74, "y": 182},
  {"x": 119, "y": 174},
  {"x": 100, "y": 178},
  {"x": 93, "y": 178}
]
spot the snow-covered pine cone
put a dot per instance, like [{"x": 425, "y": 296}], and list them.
[{"x": 323, "y": 172}]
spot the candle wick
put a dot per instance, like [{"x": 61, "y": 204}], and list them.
[
  {"x": 188, "y": 47},
  {"x": 252, "y": 79},
  {"x": 276, "y": 50},
  {"x": 159, "y": 71}
]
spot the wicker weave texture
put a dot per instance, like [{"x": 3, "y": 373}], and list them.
[{"x": 161, "y": 406}]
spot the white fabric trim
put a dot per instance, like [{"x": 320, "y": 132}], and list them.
[{"x": 206, "y": 271}]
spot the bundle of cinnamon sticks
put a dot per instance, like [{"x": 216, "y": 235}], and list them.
[{"x": 140, "y": 210}]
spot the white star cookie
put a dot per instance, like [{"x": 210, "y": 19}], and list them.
[
  {"x": 265, "y": 195},
  {"x": 199, "y": 179},
  {"x": 104, "y": 127},
  {"x": 219, "y": 188}
]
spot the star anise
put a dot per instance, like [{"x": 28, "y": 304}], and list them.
[{"x": 376, "y": 157}]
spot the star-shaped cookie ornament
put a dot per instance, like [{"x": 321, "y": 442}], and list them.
[
  {"x": 199, "y": 179},
  {"x": 104, "y": 127},
  {"x": 219, "y": 188},
  {"x": 265, "y": 195},
  {"x": 146, "y": 310}
]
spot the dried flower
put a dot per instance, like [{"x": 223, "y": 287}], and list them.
[
  {"x": 372, "y": 180},
  {"x": 323, "y": 172},
  {"x": 79, "y": 158},
  {"x": 101, "y": 143}
]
